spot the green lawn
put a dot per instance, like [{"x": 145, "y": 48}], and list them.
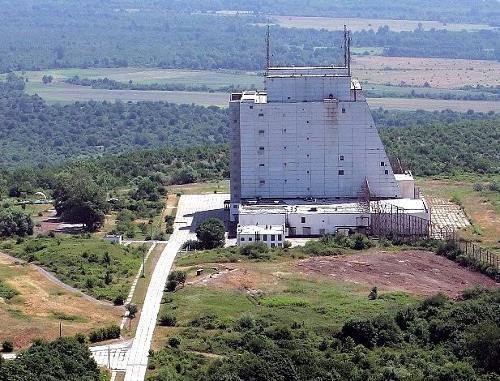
[{"x": 97, "y": 267}]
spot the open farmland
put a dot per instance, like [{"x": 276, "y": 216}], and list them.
[
  {"x": 438, "y": 72},
  {"x": 41, "y": 304},
  {"x": 358, "y": 24}
]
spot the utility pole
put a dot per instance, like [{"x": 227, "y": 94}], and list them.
[
  {"x": 143, "y": 265},
  {"x": 60, "y": 329},
  {"x": 349, "y": 53}
]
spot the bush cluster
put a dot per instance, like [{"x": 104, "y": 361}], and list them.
[{"x": 105, "y": 333}]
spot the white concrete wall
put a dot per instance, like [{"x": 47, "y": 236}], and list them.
[
  {"x": 296, "y": 149},
  {"x": 262, "y": 219}
]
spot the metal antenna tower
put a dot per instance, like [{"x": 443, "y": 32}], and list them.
[{"x": 268, "y": 48}]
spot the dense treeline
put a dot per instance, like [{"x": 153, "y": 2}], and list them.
[
  {"x": 75, "y": 34},
  {"x": 111, "y": 84},
  {"x": 484, "y": 11},
  {"x": 435, "y": 149},
  {"x": 34, "y": 132},
  {"x": 65, "y": 359},
  {"x": 435, "y": 340}
]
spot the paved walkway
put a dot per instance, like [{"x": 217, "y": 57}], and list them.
[
  {"x": 192, "y": 210},
  {"x": 112, "y": 356}
]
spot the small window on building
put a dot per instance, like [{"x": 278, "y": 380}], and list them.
[
  {"x": 262, "y": 165},
  {"x": 307, "y": 138},
  {"x": 284, "y": 164},
  {"x": 307, "y": 122},
  {"x": 341, "y": 172},
  {"x": 264, "y": 237},
  {"x": 250, "y": 239},
  {"x": 261, "y": 114},
  {"x": 284, "y": 130},
  {"x": 279, "y": 237},
  {"x": 307, "y": 155},
  {"x": 286, "y": 181},
  {"x": 303, "y": 220},
  {"x": 280, "y": 245},
  {"x": 382, "y": 164},
  {"x": 242, "y": 239},
  {"x": 261, "y": 132},
  {"x": 273, "y": 245},
  {"x": 235, "y": 120},
  {"x": 273, "y": 237},
  {"x": 289, "y": 97},
  {"x": 386, "y": 172},
  {"x": 307, "y": 171},
  {"x": 341, "y": 157},
  {"x": 343, "y": 110},
  {"x": 251, "y": 107},
  {"x": 262, "y": 181},
  {"x": 284, "y": 147}
]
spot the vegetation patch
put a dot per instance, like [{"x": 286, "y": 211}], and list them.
[
  {"x": 97, "y": 267},
  {"x": 7, "y": 292}
]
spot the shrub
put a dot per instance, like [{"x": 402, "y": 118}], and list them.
[
  {"x": 191, "y": 245},
  {"x": 132, "y": 310},
  {"x": 174, "y": 342},
  {"x": 361, "y": 331},
  {"x": 7, "y": 346},
  {"x": 106, "y": 333},
  {"x": 167, "y": 320},
  {"x": 119, "y": 300},
  {"x": 171, "y": 286},
  {"x": 373, "y": 294},
  {"x": 449, "y": 249},
  {"x": 257, "y": 250},
  {"x": 360, "y": 242},
  {"x": 177, "y": 276},
  {"x": 494, "y": 186},
  {"x": 287, "y": 245},
  {"x": 478, "y": 187}
]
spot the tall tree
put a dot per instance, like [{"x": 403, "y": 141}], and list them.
[{"x": 79, "y": 199}]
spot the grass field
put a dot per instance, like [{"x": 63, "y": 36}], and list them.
[
  {"x": 210, "y": 78},
  {"x": 375, "y": 73},
  {"x": 358, "y": 24},
  {"x": 97, "y": 267},
  {"x": 40, "y": 305},
  {"x": 272, "y": 291}
]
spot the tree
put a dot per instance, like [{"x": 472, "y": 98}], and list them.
[
  {"x": 65, "y": 359},
  {"x": 132, "y": 310},
  {"x": 15, "y": 222},
  {"x": 178, "y": 276},
  {"x": 7, "y": 346},
  {"x": 211, "y": 233},
  {"x": 79, "y": 199}
]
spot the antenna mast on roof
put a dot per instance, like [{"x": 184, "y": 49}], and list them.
[
  {"x": 268, "y": 49},
  {"x": 349, "y": 53},
  {"x": 345, "y": 46}
]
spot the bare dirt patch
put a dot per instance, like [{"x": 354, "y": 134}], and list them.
[
  {"x": 240, "y": 276},
  {"x": 41, "y": 305},
  {"x": 417, "y": 272}
]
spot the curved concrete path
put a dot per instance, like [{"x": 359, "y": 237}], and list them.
[{"x": 191, "y": 211}]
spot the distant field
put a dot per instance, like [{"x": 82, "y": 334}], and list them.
[
  {"x": 62, "y": 93},
  {"x": 357, "y": 24},
  {"x": 438, "y": 72},
  {"x": 210, "y": 78},
  {"x": 375, "y": 73}
]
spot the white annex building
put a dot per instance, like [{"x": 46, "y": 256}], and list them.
[{"x": 306, "y": 154}]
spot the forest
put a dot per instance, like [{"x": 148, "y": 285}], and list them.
[{"x": 42, "y": 36}]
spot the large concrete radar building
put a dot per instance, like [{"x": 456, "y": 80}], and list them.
[{"x": 310, "y": 135}]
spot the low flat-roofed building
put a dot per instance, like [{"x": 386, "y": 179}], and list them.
[
  {"x": 271, "y": 235},
  {"x": 325, "y": 216}
]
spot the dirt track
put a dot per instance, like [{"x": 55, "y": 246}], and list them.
[{"x": 417, "y": 272}]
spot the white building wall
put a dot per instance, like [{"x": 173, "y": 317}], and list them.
[{"x": 293, "y": 150}]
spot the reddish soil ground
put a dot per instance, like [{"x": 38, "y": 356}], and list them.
[{"x": 416, "y": 272}]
